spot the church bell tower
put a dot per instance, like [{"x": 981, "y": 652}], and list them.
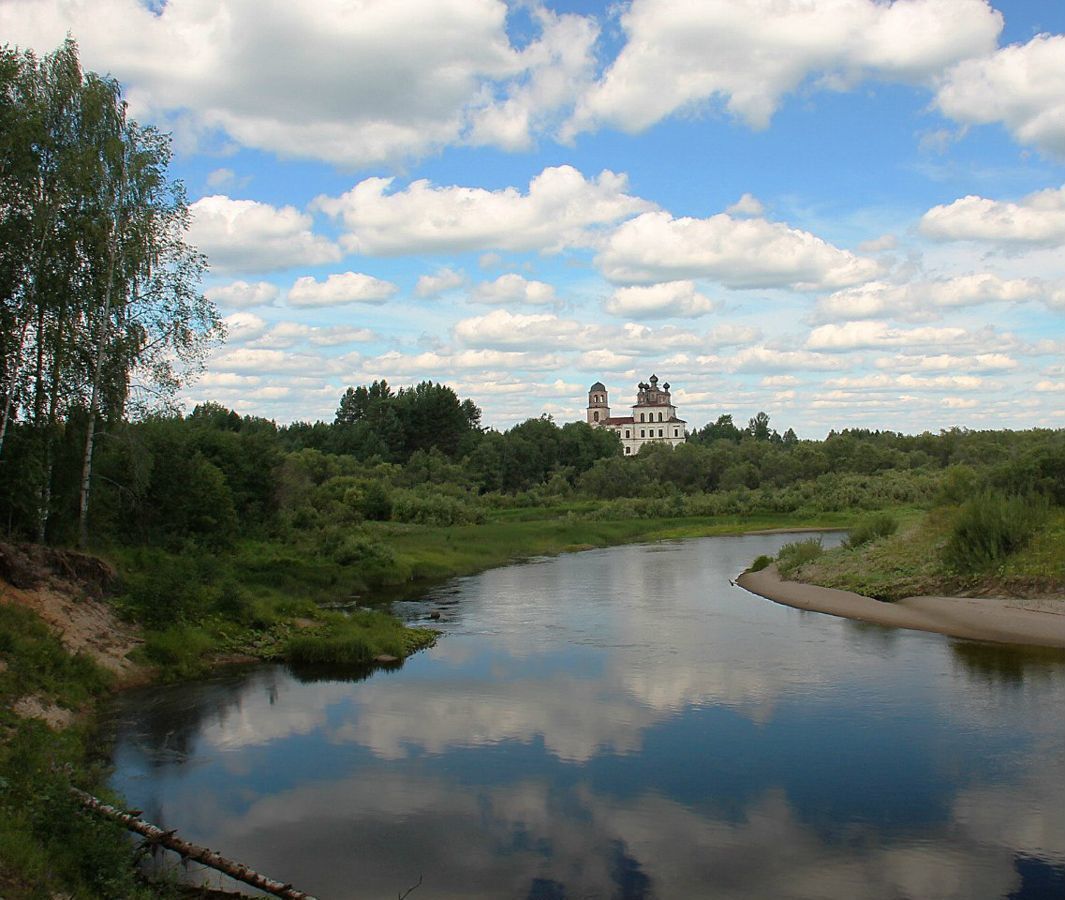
[{"x": 598, "y": 405}]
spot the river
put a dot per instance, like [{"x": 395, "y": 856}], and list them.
[{"x": 624, "y": 723}]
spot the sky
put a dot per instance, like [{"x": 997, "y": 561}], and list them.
[{"x": 846, "y": 213}]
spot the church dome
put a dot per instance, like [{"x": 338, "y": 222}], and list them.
[{"x": 598, "y": 386}]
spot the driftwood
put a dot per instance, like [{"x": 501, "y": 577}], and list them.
[{"x": 170, "y": 841}]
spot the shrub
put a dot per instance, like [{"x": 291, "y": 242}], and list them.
[
  {"x": 991, "y": 527},
  {"x": 793, "y": 557},
  {"x": 880, "y": 525},
  {"x": 760, "y": 563}
]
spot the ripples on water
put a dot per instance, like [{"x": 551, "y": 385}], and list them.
[{"x": 624, "y": 723}]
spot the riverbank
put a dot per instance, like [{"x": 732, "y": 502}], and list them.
[{"x": 1002, "y": 620}]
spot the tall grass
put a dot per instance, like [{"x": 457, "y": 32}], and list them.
[
  {"x": 879, "y": 526},
  {"x": 794, "y": 556},
  {"x": 990, "y": 528}
]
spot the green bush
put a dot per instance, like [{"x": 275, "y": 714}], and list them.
[
  {"x": 793, "y": 557},
  {"x": 760, "y": 563},
  {"x": 880, "y": 525},
  {"x": 990, "y": 528},
  {"x": 178, "y": 650}
]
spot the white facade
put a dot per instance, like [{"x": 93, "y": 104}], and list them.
[{"x": 654, "y": 417}]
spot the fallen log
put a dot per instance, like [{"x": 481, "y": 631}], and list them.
[{"x": 170, "y": 841}]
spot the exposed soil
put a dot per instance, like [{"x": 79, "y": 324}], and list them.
[{"x": 66, "y": 589}]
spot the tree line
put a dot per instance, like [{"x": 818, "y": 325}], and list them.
[{"x": 100, "y": 309}]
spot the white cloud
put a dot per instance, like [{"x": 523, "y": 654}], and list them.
[
  {"x": 740, "y": 253},
  {"x": 556, "y": 69},
  {"x": 908, "y": 382},
  {"x": 877, "y": 245},
  {"x": 607, "y": 360},
  {"x": 504, "y": 329},
  {"x": 765, "y": 359},
  {"x": 779, "y": 381},
  {"x": 349, "y": 83},
  {"x": 242, "y": 294},
  {"x": 873, "y": 335},
  {"x": 338, "y": 289},
  {"x": 1038, "y": 219},
  {"x": 747, "y": 205},
  {"x": 877, "y": 298},
  {"x": 243, "y": 326},
  {"x": 663, "y": 300},
  {"x": 283, "y": 335},
  {"x": 221, "y": 177},
  {"x": 561, "y": 209},
  {"x": 948, "y": 362},
  {"x": 750, "y": 53},
  {"x": 246, "y": 235},
  {"x": 431, "y": 364},
  {"x": 513, "y": 288},
  {"x": 441, "y": 280},
  {"x": 1022, "y": 86}
]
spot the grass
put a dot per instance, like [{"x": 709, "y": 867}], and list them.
[
  {"x": 47, "y": 848},
  {"x": 356, "y": 639},
  {"x": 910, "y": 562},
  {"x": 429, "y": 554}
]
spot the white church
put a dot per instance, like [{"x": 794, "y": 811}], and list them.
[{"x": 654, "y": 417}]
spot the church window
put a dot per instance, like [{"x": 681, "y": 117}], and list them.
[
  {"x": 642, "y": 433},
  {"x": 595, "y": 416},
  {"x": 628, "y": 450},
  {"x": 660, "y": 432},
  {"x": 660, "y": 417},
  {"x": 627, "y": 433},
  {"x": 676, "y": 433}
]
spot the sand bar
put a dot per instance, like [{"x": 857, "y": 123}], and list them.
[{"x": 1004, "y": 620}]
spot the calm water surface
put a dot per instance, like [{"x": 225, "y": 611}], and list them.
[{"x": 624, "y": 723}]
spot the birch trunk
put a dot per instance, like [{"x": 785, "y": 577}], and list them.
[{"x": 203, "y": 855}]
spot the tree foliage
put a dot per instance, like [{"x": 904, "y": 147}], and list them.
[{"x": 100, "y": 311}]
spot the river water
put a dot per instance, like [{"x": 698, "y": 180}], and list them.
[{"x": 624, "y": 723}]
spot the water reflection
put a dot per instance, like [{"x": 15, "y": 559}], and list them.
[{"x": 623, "y": 723}]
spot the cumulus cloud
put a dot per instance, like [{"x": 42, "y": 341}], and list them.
[
  {"x": 339, "y": 289},
  {"x": 504, "y": 329},
  {"x": 669, "y": 298},
  {"x": 561, "y": 209},
  {"x": 246, "y": 235},
  {"x": 747, "y": 54},
  {"x": 849, "y": 336},
  {"x": 513, "y": 288},
  {"x": 243, "y": 326},
  {"x": 747, "y": 205},
  {"x": 1038, "y": 219},
  {"x": 740, "y": 253},
  {"x": 1022, "y": 86},
  {"x": 766, "y": 359},
  {"x": 878, "y": 245},
  {"x": 877, "y": 298},
  {"x": 441, "y": 280},
  {"x": 242, "y": 294},
  {"x": 949, "y": 362},
  {"x": 557, "y": 67},
  {"x": 908, "y": 382},
  {"x": 284, "y": 335},
  {"x": 341, "y": 82}
]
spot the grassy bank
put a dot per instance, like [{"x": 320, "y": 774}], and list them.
[
  {"x": 47, "y": 847},
  {"x": 922, "y": 558}
]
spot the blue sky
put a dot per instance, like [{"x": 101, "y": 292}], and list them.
[{"x": 847, "y": 213}]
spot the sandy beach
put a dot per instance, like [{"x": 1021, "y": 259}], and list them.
[{"x": 1004, "y": 620}]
